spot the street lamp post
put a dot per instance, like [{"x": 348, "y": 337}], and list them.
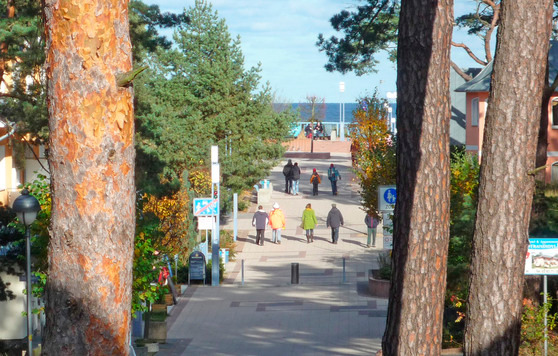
[
  {"x": 26, "y": 207},
  {"x": 342, "y": 113}
]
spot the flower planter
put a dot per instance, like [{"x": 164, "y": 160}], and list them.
[
  {"x": 159, "y": 308},
  {"x": 168, "y": 299},
  {"x": 378, "y": 288}
]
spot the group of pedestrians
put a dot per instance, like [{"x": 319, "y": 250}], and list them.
[
  {"x": 276, "y": 219},
  {"x": 292, "y": 178}
]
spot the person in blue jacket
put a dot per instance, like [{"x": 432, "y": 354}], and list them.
[{"x": 333, "y": 176}]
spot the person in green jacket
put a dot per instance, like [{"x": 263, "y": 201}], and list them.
[{"x": 309, "y": 222}]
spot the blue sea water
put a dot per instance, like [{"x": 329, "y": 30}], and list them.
[{"x": 329, "y": 112}]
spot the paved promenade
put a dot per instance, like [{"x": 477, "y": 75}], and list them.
[{"x": 327, "y": 313}]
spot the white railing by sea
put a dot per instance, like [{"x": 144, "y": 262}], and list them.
[{"x": 331, "y": 129}]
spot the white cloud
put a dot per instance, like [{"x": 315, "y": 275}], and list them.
[{"x": 281, "y": 34}]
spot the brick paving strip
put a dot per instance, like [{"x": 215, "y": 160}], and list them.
[
  {"x": 301, "y": 254},
  {"x": 269, "y": 316}
]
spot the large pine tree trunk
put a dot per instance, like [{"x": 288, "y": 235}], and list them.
[
  {"x": 421, "y": 229},
  {"x": 91, "y": 160},
  {"x": 506, "y": 186}
]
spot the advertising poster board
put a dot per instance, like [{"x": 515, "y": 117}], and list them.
[{"x": 542, "y": 257}]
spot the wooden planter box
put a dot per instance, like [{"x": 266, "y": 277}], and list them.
[
  {"x": 159, "y": 308},
  {"x": 168, "y": 299},
  {"x": 378, "y": 288}
]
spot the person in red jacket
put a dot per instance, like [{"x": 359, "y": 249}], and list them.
[{"x": 277, "y": 222}]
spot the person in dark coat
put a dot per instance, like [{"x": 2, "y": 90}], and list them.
[
  {"x": 334, "y": 220},
  {"x": 296, "y": 178},
  {"x": 288, "y": 173},
  {"x": 260, "y": 221},
  {"x": 308, "y": 131}
]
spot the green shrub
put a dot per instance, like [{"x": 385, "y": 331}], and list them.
[
  {"x": 384, "y": 259},
  {"x": 532, "y": 325}
]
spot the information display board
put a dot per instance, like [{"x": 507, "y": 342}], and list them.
[
  {"x": 196, "y": 268},
  {"x": 542, "y": 257}
]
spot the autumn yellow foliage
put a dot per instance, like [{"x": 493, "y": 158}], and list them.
[
  {"x": 173, "y": 214},
  {"x": 373, "y": 150}
]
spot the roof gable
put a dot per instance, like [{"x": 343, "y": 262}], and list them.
[{"x": 481, "y": 82}]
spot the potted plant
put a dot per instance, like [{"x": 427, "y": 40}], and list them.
[{"x": 379, "y": 280}]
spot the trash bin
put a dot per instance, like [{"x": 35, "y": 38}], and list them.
[{"x": 333, "y": 135}]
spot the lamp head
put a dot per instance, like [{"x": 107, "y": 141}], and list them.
[{"x": 26, "y": 207}]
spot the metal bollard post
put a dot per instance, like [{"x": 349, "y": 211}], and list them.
[
  {"x": 294, "y": 273},
  {"x": 242, "y": 271},
  {"x": 344, "y": 278}
]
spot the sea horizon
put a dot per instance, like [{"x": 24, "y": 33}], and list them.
[{"x": 327, "y": 112}]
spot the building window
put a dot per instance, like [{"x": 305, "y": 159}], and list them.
[
  {"x": 554, "y": 173},
  {"x": 555, "y": 113},
  {"x": 475, "y": 112}
]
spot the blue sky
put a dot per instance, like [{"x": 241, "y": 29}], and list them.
[{"x": 281, "y": 35}]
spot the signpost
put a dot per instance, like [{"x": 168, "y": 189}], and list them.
[
  {"x": 215, "y": 175},
  {"x": 387, "y": 230},
  {"x": 542, "y": 259},
  {"x": 387, "y": 195},
  {"x": 197, "y": 266},
  {"x": 206, "y": 207}
]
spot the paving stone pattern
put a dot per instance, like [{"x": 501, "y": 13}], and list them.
[{"x": 322, "y": 315}]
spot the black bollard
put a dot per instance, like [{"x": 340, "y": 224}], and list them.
[{"x": 294, "y": 273}]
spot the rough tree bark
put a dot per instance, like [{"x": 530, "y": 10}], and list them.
[
  {"x": 91, "y": 160},
  {"x": 421, "y": 229},
  {"x": 507, "y": 181}
]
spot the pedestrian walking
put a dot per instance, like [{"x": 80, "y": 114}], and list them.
[
  {"x": 334, "y": 220},
  {"x": 260, "y": 221},
  {"x": 309, "y": 222},
  {"x": 333, "y": 176},
  {"x": 296, "y": 178},
  {"x": 277, "y": 222},
  {"x": 315, "y": 180},
  {"x": 371, "y": 220},
  {"x": 288, "y": 173}
]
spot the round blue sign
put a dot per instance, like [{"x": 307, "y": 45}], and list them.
[{"x": 390, "y": 196}]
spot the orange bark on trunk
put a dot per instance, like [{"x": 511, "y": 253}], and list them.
[{"x": 91, "y": 160}]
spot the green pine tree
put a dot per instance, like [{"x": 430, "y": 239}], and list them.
[{"x": 200, "y": 94}]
